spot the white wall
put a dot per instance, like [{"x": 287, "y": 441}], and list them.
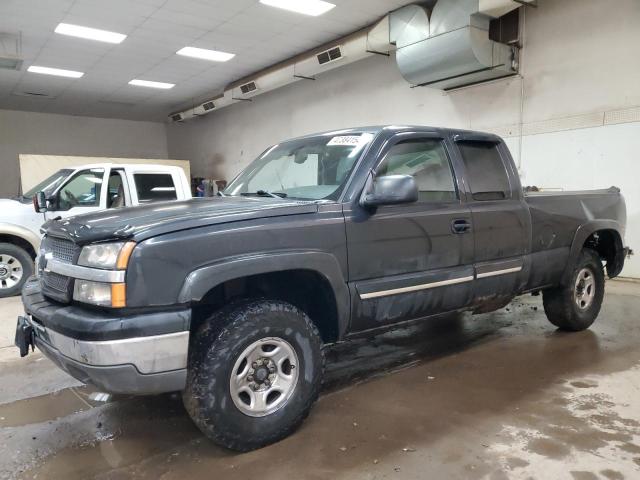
[
  {"x": 579, "y": 76},
  {"x": 44, "y": 133}
]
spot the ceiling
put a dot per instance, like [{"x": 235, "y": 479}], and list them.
[{"x": 259, "y": 35}]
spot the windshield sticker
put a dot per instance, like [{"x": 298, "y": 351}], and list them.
[{"x": 346, "y": 140}]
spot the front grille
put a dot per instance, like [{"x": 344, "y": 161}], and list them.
[
  {"x": 56, "y": 281},
  {"x": 63, "y": 250},
  {"x": 56, "y": 286}
]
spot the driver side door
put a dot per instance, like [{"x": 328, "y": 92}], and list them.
[
  {"x": 82, "y": 193},
  {"x": 412, "y": 260}
]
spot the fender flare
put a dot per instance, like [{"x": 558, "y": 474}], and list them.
[
  {"x": 21, "y": 232},
  {"x": 585, "y": 231},
  {"x": 203, "y": 279}
]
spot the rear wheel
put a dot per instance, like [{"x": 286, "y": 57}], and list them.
[
  {"x": 576, "y": 305},
  {"x": 255, "y": 370},
  {"x": 16, "y": 266}
]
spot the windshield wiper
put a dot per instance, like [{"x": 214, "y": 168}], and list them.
[{"x": 266, "y": 193}]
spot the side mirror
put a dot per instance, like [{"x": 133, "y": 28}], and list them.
[
  {"x": 390, "y": 190},
  {"x": 40, "y": 202}
]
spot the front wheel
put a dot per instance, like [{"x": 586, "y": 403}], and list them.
[
  {"x": 575, "y": 306},
  {"x": 255, "y": 370},
  {"x": 16, "y": 266}
]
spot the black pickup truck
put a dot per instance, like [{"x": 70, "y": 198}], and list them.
[{"x": 231, "y": 299}]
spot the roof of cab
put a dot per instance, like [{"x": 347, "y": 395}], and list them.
[
  {"x": 392, "y": 129},
  {"x": 141, "y": 166}
]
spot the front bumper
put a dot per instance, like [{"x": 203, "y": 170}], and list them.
[{"x": 114, "y": 352}]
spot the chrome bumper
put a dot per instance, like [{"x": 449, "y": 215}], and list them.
[{"x": 139, "y": 365}]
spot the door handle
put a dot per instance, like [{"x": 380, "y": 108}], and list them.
[{"x": 460, "y": 226}]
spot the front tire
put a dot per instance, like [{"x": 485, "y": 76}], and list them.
[
  {"x": 255, "y": 370},
  {"x": 16, "y": 266},
  {"x": 575, "y": 306}
]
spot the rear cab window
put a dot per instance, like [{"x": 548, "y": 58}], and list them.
[
  {"x": 154, "y": 187},
  {"x": 486, "y": 172}
]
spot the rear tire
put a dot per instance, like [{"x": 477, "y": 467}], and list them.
[
  {"x": 255, "y": 370},
  {"x": 16, "y": 266},
  {"x": 575, "y": 306}
]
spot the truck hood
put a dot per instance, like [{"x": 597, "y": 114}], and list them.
[
  {"x": 10, "y": 210},
  {"x": 140, "y": 223}
]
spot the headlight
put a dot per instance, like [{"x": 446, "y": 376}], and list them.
[
  {"x": 98, "y": 293},
  {"x": 105, "y": 256},
  {"x": 109, "y": 256}
]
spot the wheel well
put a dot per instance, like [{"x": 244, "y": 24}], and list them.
[
  {"x": 608, "y": 244},
  {"x": 18, "y": 242},
  {"x": 306, "y": 289}
]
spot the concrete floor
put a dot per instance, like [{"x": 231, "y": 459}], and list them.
[{"x": 493, "y": 396}]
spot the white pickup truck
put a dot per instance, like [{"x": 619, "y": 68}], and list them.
[{"x": 74, "y": 191}]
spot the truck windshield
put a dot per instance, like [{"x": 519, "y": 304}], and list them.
[
  {"x": 311, "y": 168},
  {"x": 49, "y": 185}
]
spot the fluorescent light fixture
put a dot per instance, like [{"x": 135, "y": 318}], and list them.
[
  {"x": 54, "y": 71},
  {"x": 150, "y": 84},
  {"x": 205, "y": 54},
  {"x": 90, "y": 33},
  {"x": 308, "y": 7}
]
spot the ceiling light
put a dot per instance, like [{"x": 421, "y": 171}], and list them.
[
  {"x": 55, "y": 71},
  {"x": 206, "y": 54},
  {"x": 150, "y": 84},
  {"x": 90, "y": 33},
  {"x": 308, "y": 7}
]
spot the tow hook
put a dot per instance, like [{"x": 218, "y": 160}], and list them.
[{"x": 24, "y": 336}]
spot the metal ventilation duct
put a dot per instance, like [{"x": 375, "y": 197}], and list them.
[
  {"x": 452, "y": 48},
  {"x": 449, "y": 50}
]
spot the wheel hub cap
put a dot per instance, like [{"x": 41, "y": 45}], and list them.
[
  {"x": 264, "y": 377},
  {"x": 10, "y": 271},
  {"x": 585, "y": 289},
  {"x": 261, "y": 375}
]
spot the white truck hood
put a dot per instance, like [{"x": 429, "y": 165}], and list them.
[
  {"x": 13, "y": 211},
  {"x": 17, "y": 218}
]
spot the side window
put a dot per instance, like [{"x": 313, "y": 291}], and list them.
[
  {"x": 154, "y": 187},
  {"x": 83, "y": 190},
  {"x": 427, "y": 161},
  {"x": 486, "y": 173}
]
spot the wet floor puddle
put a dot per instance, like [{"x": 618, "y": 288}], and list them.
[{"x": 48, "y": 407}]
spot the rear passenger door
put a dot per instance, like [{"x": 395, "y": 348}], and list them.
[
  {"x": 411, "y": 260},
  {"x": 501, "y": 220}
]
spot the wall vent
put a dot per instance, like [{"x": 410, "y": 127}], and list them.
[
  {"x": 248, "y": 88},
  {"x": 330, "y": 55},
  {"x": 176, "y": 117},
  {"x": 208, "y": 106}
]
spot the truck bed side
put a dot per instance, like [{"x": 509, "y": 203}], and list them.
[{"x": 562, "y": 222}]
